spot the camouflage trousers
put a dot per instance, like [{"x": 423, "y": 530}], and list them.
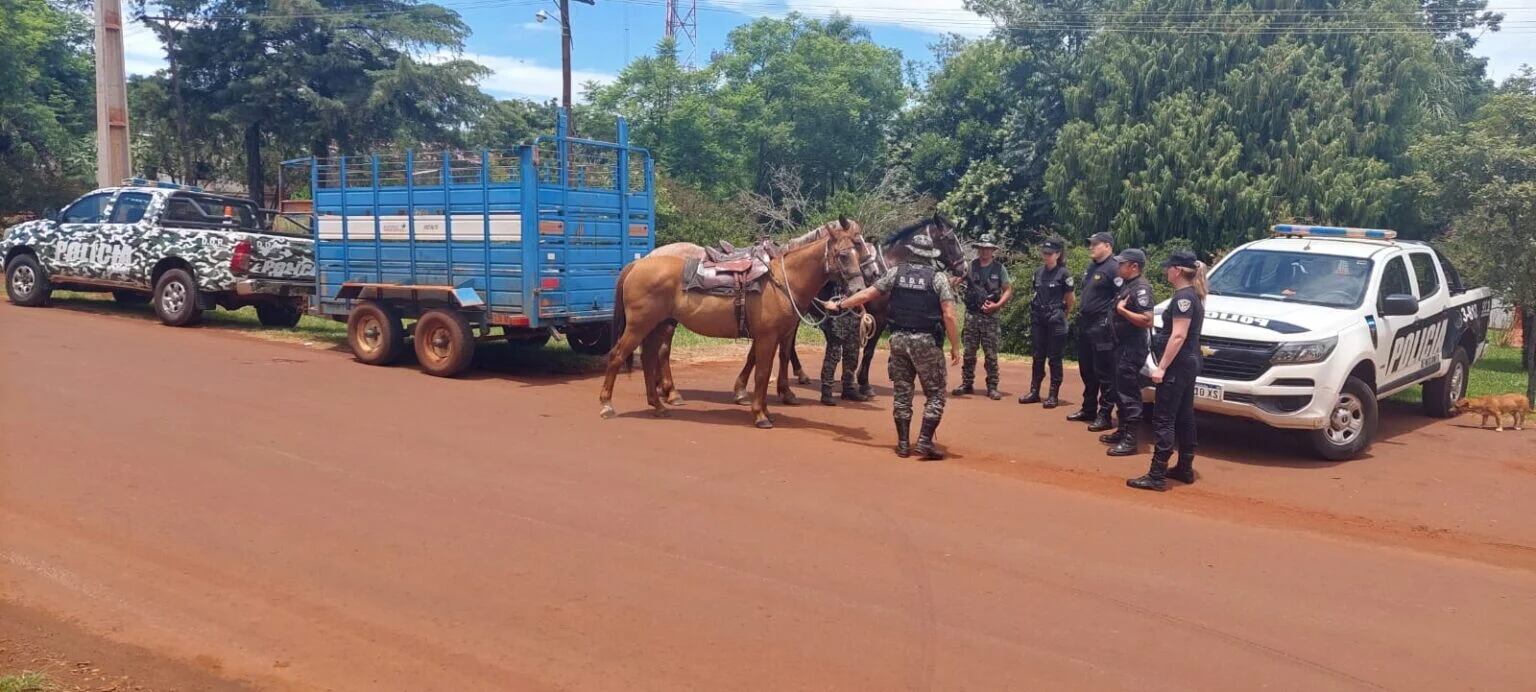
[
  {"x": 983, "y": 331},
  {"x": 916, "y": 357},
  {"x": 842, "y": 333}
]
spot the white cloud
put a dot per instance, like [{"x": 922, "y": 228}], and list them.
[
  {"x": 143, "y": 53},
  {"x": 525, "y": 78},
  {"x": 930, "y": 16}
]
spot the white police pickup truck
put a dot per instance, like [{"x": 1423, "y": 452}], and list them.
[{"x": 1308, "y": 329}]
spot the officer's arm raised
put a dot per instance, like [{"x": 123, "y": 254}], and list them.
[{"x": 852, "y": 301}]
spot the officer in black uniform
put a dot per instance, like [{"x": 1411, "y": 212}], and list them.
[
  {"x": 1132, "y": 320},
  {"x": 1048, "y": 310},
  {"x": 1095, "y": 336},
  {"x": 1177, "y": 346}
]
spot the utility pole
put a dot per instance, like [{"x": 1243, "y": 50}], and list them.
[
  {"x": 683, "y": 18},
  {"x": 565, "y": 59},
  {"x": 112, "y": 155}
]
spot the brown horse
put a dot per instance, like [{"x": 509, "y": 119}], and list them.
[
  {"x": 650, "y": 296},
  {"x": 893, "y": 251}
]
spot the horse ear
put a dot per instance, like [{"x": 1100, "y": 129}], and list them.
[
  {"x": 842, "y": 220},
  {"x": 939, "y": 219}
]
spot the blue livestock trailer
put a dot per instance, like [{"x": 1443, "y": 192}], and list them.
[{"x": 528, "y": 242}]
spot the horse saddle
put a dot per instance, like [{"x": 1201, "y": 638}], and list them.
[{"x": 727, "y": 270}]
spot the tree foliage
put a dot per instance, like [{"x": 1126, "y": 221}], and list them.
[{"x": 47, "y": 104}]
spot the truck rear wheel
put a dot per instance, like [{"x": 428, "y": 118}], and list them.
[
  {"x": 375, "y": 334},
  {"x": 1441, "y": 393},
  {"x": 445, "y": 343},
  {"x": 283, "y": 315},
  {"x": 594, "y": 340},
  {"x": 1351, "y": 423}
]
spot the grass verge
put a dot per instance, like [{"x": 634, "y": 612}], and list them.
[
  {"x": 25, "y": 682},
  {"x": 1497, "y": 373}
]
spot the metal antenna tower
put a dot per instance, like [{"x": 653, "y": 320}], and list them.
[{"x": 683, "y": 25}]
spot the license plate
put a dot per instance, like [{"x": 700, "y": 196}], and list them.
[{"x": 1208, "y": 391}]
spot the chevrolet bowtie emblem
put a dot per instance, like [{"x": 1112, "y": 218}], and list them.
[{"x": 1207, "y": 351}]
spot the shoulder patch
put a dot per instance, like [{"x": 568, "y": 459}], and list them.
[
  {"x": 1119, "y": 281},
  {"x": 1069, "y": 282},
  {"x": 1143, "y": 299},
  {"x": 1184, "y": 304}
]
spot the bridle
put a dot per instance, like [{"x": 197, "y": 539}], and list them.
[{"x": 830, "y": 262}]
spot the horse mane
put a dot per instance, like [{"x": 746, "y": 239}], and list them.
[
  {"x": 807, "y": 238},
  {"x": 900, "y": 235}
]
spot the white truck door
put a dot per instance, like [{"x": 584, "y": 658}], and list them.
[
  {"x": 1418, "y": 340},
  {"x": 1392, "y": 350}
]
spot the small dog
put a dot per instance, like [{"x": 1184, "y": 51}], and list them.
[{"x": 1496, "y": 406}]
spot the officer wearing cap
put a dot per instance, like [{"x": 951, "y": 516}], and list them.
[
  {"x": 1177, "y": 349},
  {"x": 987, "y": 289},
  {"x": 1095, "y": 336},
  {"x": 1131, "y": 321},
  {"x": 921, "y": 314},
  {"x": 1048, "y": 309}
]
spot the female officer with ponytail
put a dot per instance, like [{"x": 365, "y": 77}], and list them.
[{"x": 1177, "y": 348}]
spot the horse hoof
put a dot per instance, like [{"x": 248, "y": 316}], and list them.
[
  {"x": 661, "y": 413},
  {"x": 789, "y": 400},
  {"x": 802, "y": 379},
  {"x": 608, "y": 412},
  {"x": 741, "y": 398},
  {"x": 765, "y": 424},
  {"x": 675, "y": 401}
]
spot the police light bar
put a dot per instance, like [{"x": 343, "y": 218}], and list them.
[
  {"x": 1292, "y": 231},
  {"x": 141, "y": 182}
]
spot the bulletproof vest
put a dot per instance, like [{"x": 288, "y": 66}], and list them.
[
  {"x": 983, "y": 284},
  {"x": 1050, "y": 289},
  {"x": 914, "y": 303},
  {"x": 1125, "y": 332}
]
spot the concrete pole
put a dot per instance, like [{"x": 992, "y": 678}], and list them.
[{"x": 112, "y": 155}]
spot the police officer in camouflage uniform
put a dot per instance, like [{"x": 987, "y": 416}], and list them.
[
  {"x": 1048, "y": 310},
  {"x": 1132, "y": 322},
  {"x": 841, "y": 330},
  {"x": 922, "y": 314},
  {"x": 987, "y": 289}
]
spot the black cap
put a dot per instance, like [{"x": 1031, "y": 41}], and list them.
[
  {"x": 1052, "y": 244},
  {"x": 1132, "y": 255},
  {"x": 1101, "y": 237},
  {"x": 1180, "y": 258}
]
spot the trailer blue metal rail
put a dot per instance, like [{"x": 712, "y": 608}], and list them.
[{"x": 528, "y": 240}]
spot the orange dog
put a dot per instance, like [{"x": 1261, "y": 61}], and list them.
[{"x": 1496, "y": 406}]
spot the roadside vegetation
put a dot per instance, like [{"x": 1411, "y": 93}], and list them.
[{"x": 25, "y": 682}]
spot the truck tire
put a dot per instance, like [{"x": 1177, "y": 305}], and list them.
[
  {"x": 130, "y": 297},
  {"x": 1441, "y": 393},
  {"x": 1351, "y": 424},
  {"x": 591, "y": 340},
  {"x": 176, "y": 299},
  {"x": 375, "y": 334},
  {"x": 283, "y": 315},
  {"x": 26, "y": 283},
  {"x": 445, "y": 343}
]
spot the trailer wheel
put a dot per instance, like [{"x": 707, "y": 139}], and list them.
[
  {"x": 283, "y": 315},
  {"x": 375, "y": 334},
  {"x": 591, "y": 341},
  {"x": 445, "y": 344}
]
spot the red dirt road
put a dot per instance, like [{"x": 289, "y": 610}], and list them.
[{"x": 288, "y": 519}]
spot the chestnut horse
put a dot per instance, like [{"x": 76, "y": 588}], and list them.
[
  {"x": 893, "y": 250},
  {"x": 649, "y": 296}
]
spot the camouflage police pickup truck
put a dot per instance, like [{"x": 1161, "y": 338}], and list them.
[{"x": 180, "y": 248}]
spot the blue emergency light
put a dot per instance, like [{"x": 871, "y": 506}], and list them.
[{"x": 1294, "y": 231}]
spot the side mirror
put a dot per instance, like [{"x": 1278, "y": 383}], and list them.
[{"x": 1399, "y": 304}]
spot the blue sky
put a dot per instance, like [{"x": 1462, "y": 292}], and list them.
[{"x": 524, "y": 55}]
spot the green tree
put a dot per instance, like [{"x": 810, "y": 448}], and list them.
[{"x": 47, "y": 104}]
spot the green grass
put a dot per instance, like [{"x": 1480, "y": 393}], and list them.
[
  {"x": 1497, "y": 373},
  {"x": 25, "y": 682}
]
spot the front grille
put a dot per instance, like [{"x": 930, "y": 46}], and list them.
[{"x": 1236, "y": 359}]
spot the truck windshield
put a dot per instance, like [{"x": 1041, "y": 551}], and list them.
[{"x": 1295, "y": 277}]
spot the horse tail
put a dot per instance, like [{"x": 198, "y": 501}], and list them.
[{"x": 620, "y": 320}]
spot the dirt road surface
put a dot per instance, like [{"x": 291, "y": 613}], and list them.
[{"x": 281, "y": 517}]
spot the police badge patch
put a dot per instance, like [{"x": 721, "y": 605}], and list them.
[
  {"x": 1119, "y": 282},
  {"x": 1183, "y": 305},
  {"x": 1143, "y": 300}
]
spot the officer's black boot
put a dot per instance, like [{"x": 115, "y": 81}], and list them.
[
  {"x": 1114, "y": 437},
  {"x": 1050, "y": 399},
  {"x": 1101, "y": 422},
  {"x": 826, "y": 395},
  {"x": 903, "y": 434},
  {"x": 1184, "y": 471},
  {"x": 1033, "y": 397},
  {"x": 964, "y": 389},
  {"x": 1081, "y": 415},
  {"x": 1154, "y": 478},
  {"x": 851, "y": 393},
  {"x": 925, "y": 448},
  {"x": 993, "y": 394},
  {"x": 1126, "y": 445}
]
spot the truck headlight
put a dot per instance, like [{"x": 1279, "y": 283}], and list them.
[{"x": 1305, "y": 351}]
